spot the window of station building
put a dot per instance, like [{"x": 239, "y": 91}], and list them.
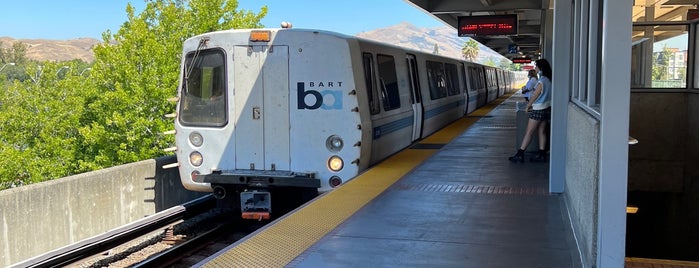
[
  {"x": 436, "y": 80},
  {"x": 659, "y": 55},
  {"x": 369, "y": 81},
  {"x": 388, "y": 81},
  {"x": 452, "y": 78}
]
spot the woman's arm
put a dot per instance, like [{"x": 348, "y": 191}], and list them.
[{"x": 535, "y": 95}]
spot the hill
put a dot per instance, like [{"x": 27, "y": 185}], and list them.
[
  {"x": 56, "y": 50},
  {"x": 424, "y": 39},
  {"x": 402, "y": 34}
]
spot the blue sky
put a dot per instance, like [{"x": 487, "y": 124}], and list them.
[{"x": 69, "y": 19}]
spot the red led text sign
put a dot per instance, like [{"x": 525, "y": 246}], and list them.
[{"x": 488, "y": 25}]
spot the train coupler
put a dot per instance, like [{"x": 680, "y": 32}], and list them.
[{"x": 255, "y": 205}]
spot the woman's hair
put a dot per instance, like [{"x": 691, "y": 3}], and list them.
[
  {"x": 545, "y": 68},
  {"x": 531, "y": 73}
]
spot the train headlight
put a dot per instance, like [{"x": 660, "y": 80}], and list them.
[
  {"x": 196, "y": 139},
  {"x": 335, "y": 163},
  {"x": 334, "y": 143},
  {"x": 196, "y": 159}
]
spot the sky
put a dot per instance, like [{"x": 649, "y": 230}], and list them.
[{"x": 70, "y": 19}]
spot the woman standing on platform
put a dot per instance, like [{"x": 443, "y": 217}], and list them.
[
  {"x": 539, "y": 112},
  {"x": 530, "y": 86}
]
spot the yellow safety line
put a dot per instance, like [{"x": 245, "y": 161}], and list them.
[
  {"x": 282, "y": 242},
  {"x": 673, "y": 263}
]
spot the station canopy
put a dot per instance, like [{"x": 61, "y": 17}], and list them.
[{"x": 531, "y": 19}]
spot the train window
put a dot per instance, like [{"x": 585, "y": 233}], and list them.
[
  {"x": 414, "y": 80},
  {"x": 204, "y": 89},
  {"x": 436, "y": 80},
  {"x": 659, "y": 56},
  {"x": 452, "y": 78},
  {"x": 368, "y": 61},
  {"x": 388, "y": 81},
  {"x": 475, "y": 79}
]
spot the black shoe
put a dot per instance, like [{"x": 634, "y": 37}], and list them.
[
  {"x": 517, "y": 158},
  {"x": 538, "y": 158}
]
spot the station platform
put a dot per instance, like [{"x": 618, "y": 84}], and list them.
[{"x": 452, "y": 200}]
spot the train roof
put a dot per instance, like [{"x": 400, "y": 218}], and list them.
[{"x": 338, "y": 35}]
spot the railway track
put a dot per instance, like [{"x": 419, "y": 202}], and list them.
[{"x": 119, "y": 243}]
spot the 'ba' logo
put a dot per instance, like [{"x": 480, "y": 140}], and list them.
[{"x": 313, "y": 99}]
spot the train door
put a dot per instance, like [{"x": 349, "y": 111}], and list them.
[
  {"x": 415, "y": 97},
  {"x": 261, "y": 107}
]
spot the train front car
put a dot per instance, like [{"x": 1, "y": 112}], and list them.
[{"x": 267, "y": 118}]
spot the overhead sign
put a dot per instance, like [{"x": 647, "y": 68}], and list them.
[
  {"x": 692, "y": 14},
  {"x": 512, "y": 49},
  {"x": 488, "y": 25},
  {"x": 521, "y": 60}
]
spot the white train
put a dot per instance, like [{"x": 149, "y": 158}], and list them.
[{"x": 285, "y": 113}]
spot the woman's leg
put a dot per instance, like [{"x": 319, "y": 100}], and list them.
[
  {"x": 532, "y": 125},
  {"x": 531, "y": 128},
  {"x": 542, "y": 135},
  {"x": 542, "y": 142}
]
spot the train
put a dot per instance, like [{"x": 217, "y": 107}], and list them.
[{"x": 267, "y": 117}]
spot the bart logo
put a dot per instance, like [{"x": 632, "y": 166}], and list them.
[{"x": 325, "y": 99}]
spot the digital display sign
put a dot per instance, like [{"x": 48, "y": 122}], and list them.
[
  {"x": 488, "y": 25},
  {"x": 521, "y": 60}
]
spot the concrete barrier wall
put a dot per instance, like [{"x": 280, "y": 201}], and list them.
[
  {"x": 38, "y": 218},
  {"x": 659, "y": 122},
  {"x": 692, "y": 175},
  {"x": 582, "y": 177}
]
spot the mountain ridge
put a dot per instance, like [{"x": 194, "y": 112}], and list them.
[
  {"x": 410, "y": 36},
  {"x": 403, "y": 34}
]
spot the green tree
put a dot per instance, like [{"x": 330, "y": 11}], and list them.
[
  {"x": 63, "y": 119},
  {"x": 661, "y": 64},
  {"x": 38, "y": 133},
  {"x": 490, "y": 62},
  {"x": 505, "y": 64},
  {"x": 470, "y": 50},
  {"x": 136, "y": 70}
]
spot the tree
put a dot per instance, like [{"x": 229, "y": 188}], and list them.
[
  {"x": 58, "y": 123},
  {"x": 661, "y": 64},
  {"x": 490, "y": 62},
  {"x": 136, "y": 70},
  {"x": 505, "y": 64},
  {"x": 38, "y": 132},
  {"x": 470, "y": 50}
]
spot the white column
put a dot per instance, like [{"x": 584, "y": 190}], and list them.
[
  {"x": 561, "y": 62},
  {"x": 614, "y": 132}
]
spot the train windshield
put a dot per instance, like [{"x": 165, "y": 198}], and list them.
[{"x": 203, "y": 98}]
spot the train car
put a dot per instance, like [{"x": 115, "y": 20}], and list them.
[{"x": 268, "y": 115}]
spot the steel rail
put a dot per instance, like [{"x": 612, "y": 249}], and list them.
[{"x": 112, "y": 238}]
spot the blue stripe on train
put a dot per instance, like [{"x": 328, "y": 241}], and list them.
[{"x": 385, "y": 129}]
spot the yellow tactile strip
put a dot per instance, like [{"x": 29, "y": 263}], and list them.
[
  {"x": 631, "y": 262},
  {"x": 279, "y": 244}
]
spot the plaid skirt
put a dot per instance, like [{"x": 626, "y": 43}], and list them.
[{"x": 540, "y": 115}]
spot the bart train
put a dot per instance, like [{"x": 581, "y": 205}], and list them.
[{"x": 263, "y": 113}]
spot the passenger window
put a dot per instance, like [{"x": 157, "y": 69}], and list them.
[
  {"x": 436, "y": 80},
  {"x": 369, "y": 81},
  {"x": 452, "y": 78},
  {"x": 388, "y": 82}
]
